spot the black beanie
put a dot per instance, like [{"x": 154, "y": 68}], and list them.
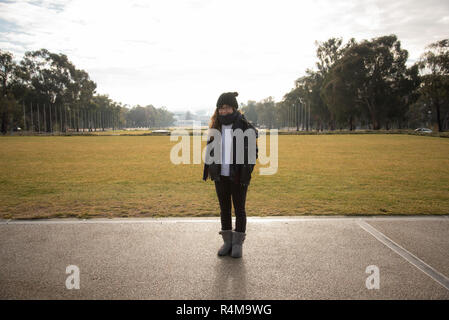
[{"x": 229, "y": 99}]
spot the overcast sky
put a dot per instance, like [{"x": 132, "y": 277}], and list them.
[{"x": 184, "y": 54}]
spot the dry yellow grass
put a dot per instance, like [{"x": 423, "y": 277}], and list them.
[{"x": 124, "y": 176}]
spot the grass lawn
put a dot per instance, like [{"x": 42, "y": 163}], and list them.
[{"x": 124, "y": 176}]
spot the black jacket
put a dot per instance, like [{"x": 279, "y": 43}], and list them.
[{"x": 239, "y": 173}]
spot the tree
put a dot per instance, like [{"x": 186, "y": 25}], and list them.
[
  {"x": 7, "y": 101},
  {"x": 434, "y": 65},
  {"x": 7, "y": 69},
  {"x": 369, "y": 80},
  {"x": 188, "y": 116},
  {"x": 250, "y": 111},
  {"x": 266, "y": 112}
]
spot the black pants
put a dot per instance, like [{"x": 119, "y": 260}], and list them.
[{"x": 227, "y": 190}]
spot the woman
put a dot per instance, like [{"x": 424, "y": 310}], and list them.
[{"x": 231, "y": 178}]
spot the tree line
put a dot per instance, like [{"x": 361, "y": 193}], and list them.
[
  {"x": 45, "y": 92},
  {"x": 364, "y": 84}
]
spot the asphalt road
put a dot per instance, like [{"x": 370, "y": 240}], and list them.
[{"x": 176, "y": 258}]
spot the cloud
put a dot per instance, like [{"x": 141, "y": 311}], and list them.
[{"x": 184, "y": 54}]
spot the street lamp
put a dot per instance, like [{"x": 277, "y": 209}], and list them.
[
  {"x": 308, "y": 120},
  {"x": 298, "y": 113}
]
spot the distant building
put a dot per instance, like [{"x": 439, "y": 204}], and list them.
[
  {"x": 199, "y": 118},
  {"x": 188, "y": 123}
]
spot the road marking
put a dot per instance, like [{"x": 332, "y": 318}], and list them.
[
  {"x": 217, "y": 219},
  {"x": 414, "y": 260}
]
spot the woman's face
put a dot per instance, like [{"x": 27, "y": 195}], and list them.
[{"x": 225, "y": 109}]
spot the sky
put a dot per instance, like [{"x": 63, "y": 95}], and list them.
[{"x": 183, "y": 54}]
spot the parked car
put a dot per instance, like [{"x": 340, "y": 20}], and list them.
[{"x": 423, "y": 130}]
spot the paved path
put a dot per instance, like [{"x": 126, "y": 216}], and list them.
[{"x": 283, "y": 258}]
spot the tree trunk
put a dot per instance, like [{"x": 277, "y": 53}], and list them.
[{"x": 437, "y": 107}]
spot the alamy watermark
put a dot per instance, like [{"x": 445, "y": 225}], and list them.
[
  {"x": 212, "y": 151},
  {"x": 73, "y": 280},
  {"x": 373, "y": 281}
]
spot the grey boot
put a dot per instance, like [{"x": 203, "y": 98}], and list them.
[
  {"x": 227, "y": 246},
  {"x": 237, "y": 241}
]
